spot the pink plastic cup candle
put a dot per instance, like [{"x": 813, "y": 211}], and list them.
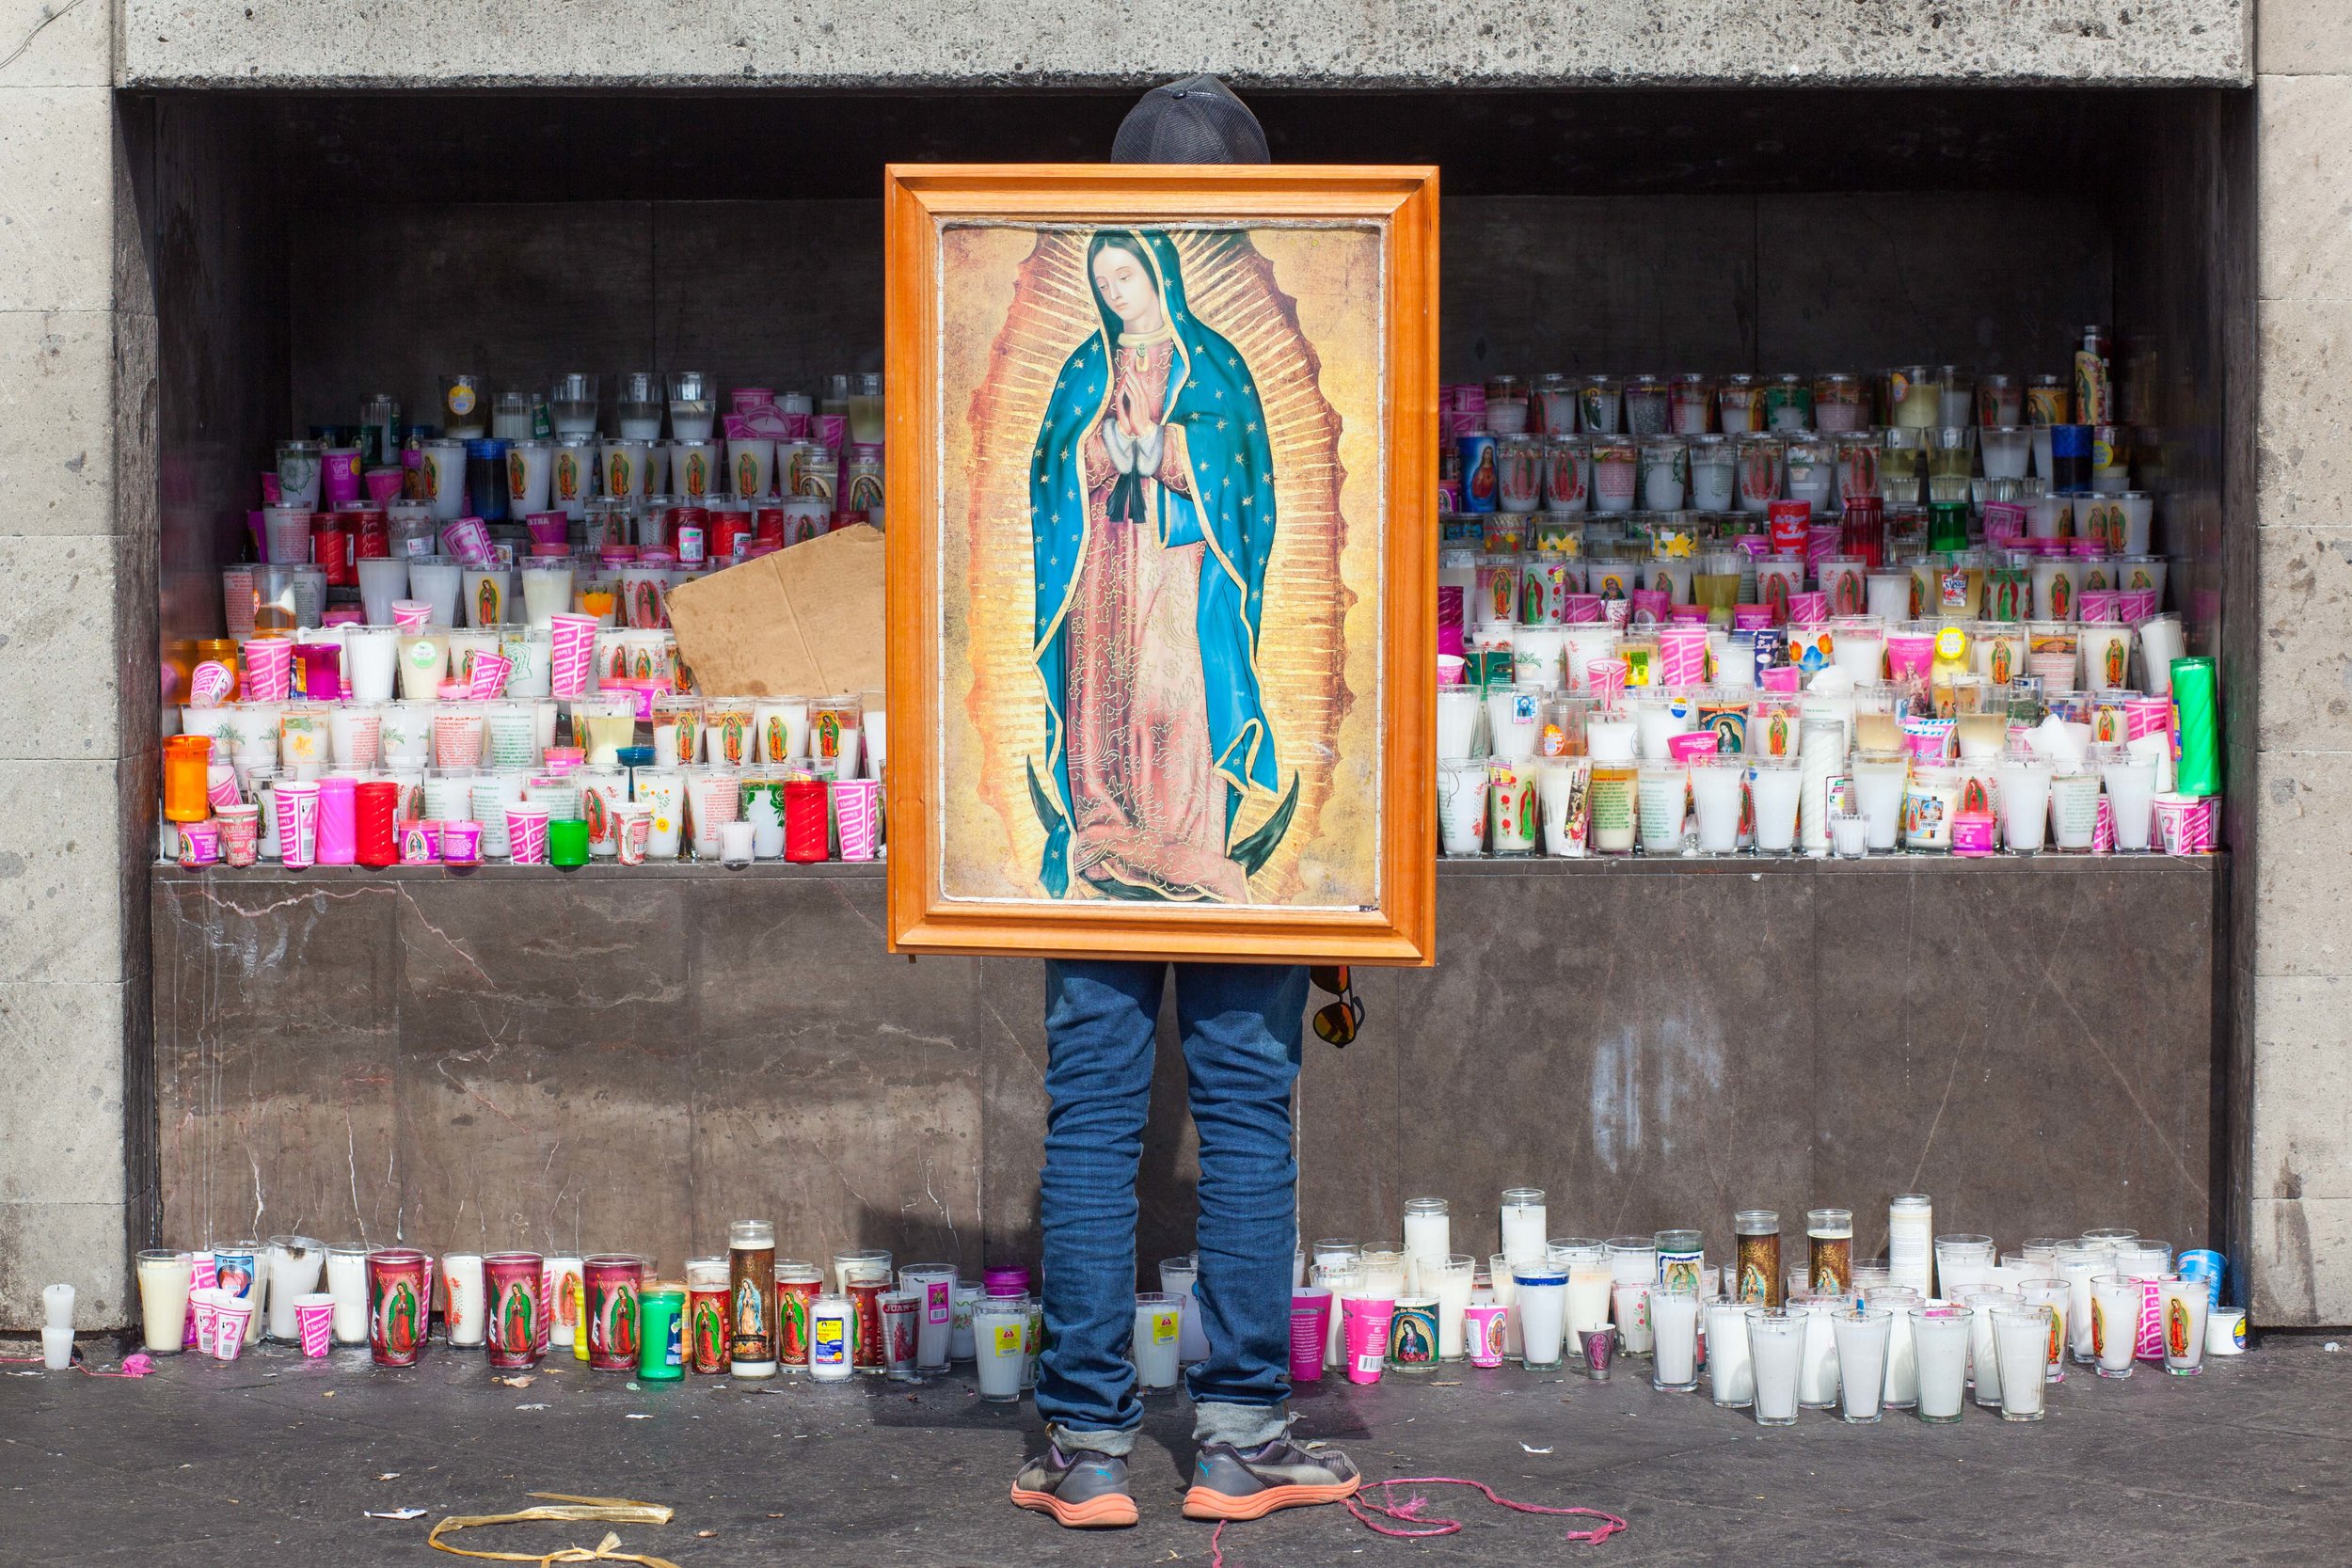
[
  {"x": 315, "y": 1323},
  {"x": 1311, "y": 1331},
  {"x": 269, "y": 669},
  {"x": 412, "y": 616},
  {"x": 571, "y": 653},
  {"x": 297, "y": 823},
  {"x": 486, "y": 675},
  {"x": 469, "y": 540},
  {"x": 1365, "y": 1324},
  {"x": 461, "y": 843},
  {"x": 527, "y": 834},
  {"x": 1606, "y": 677},
  {"x": 853, "y": 804},
  {"x": 1482, "y": 1331}
]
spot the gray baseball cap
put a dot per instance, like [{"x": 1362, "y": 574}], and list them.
[{"x": 1196, "y": 120}]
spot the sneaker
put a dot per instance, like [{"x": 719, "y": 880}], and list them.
[
  {"x": 1249, "y": 1483},
  {"x": 1084, "y": 1490}
]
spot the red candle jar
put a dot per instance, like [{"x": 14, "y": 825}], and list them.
[
  {"x": 399, "y": 1306},
  {"x": 379, "y": 807},
  {"x": 512, "y": 1281},
  {"x": 865, "y": 1303},
  {"x": 806, "y": 831},
  {"x": 612, "y": 1285}
]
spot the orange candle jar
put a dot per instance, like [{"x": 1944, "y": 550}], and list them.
[{"x": 187, "y": 763}]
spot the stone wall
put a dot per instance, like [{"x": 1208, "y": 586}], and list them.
[
  {"x": 2297, "y": 967},
  {"x": 77, "y": 552},
  {"x": 738, "y": 43}
]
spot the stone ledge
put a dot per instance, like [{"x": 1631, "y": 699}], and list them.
[{"x": 1047, "y": 44}]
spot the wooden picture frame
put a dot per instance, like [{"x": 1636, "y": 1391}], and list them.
[{"x": 1043, "y": 530}]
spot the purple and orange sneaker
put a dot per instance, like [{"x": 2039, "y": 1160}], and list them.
[
  {"x": 1083, "y": 1490},
  {"x": 1249, "y": 1483}
]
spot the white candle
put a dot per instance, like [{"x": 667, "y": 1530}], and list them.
[
  {"x": 1901, "y": 1386},
  {"x": 1178, "y": 1277},
  {"x": 1542, "y": 1311},
  {"x": 1816, "y": 1382},
  {"x": 294, "y": 1263},
  {"x": 1453, "y": 1279},
  {"x": 1911, "y": 1242},
  {"x": 1984, "y": 1366},
  {"x": 1776, "y": 788},
  {"x": 466, "y": 1316},
  {"x": 1674, "y": 1317},
  {"x": 347, "y": 1282},
  {"x": 1428, "y": 1240},
  {"x": 1523, "y": 1224},
  {"x": 1862, "y": 1335},
  {"x": 999, "y": 1326},
  {"x": 1731, "y": 1379},
  {"x": 1941, "y": 1337},
  {"x": 164, "y": 1280},
  {"x": 1158, "y": 1330},
  {"x": 56, "y": 1302},
  {"x": 1776, "y": 1337},
  {"x": 1589, "y": 1286},
  {"x": 2021, "y": 1339}
]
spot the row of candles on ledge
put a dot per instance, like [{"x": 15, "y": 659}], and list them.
[
  {"x": 1915, "y": 1331},
  {"x": 518, "y": 452},
  {"x": 1849, "y": 767},
  {"x": 640, "y": 777}
]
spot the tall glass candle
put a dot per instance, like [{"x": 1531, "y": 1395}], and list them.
[
  {"x": 752, "y": 1298},
  {"x": 1428, "y": 1238},
  {"x": 1523, "y": 1223},
  {"x": 165, "y": 1279},
  {"x": 1757, "y": 1281},
  {"x": 1829, "y": 1233}
]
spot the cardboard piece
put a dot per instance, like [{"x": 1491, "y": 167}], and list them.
[{"x": 804, "y": 621}]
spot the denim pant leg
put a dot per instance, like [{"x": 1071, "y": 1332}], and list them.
[
  {"x": 1101, "y": 1021},
  {"x": 1242, "y": 1027}
]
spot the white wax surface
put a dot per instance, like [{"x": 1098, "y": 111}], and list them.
[
  {"x": 1674, "y": 1322},
  {"x": 1816, "y": 1384},
  {"x": 1428, "y": 1238},
  {"x": 1452, "y": 1292},
  {"x": 468, "y": 1316},
  {"x": 1774, "y": 1359},
  {"x": 291, "y": 1274},
  {"x": 163, "y": 1302},
  {"x": 347, "y": 1282},
  {"x": 1775, "y": 792},
  {"x": 1589, "y": 1287},
  {"x": 1941, "y": 1346},
  {"x": 1157, "y": 1330},
  {"x": 2022, "y": 1346},
  {"x": 1542, "y": 1311},
  {"x": 1861, "y": 1365},
  {"x": 2118, "y": 1310},
  {"x": 1902, "y": 1388},
  {"x": 1716, "y": 792},
  {"x": 1732, "y": 1377}
]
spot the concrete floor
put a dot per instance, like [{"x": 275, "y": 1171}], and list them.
[{"x": 2244, "y": 1464}]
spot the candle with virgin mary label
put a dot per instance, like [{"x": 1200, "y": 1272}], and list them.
[{"x": 752, "y": 1298}]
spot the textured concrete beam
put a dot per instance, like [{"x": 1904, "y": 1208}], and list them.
[{"x": 1394, "y": 43}]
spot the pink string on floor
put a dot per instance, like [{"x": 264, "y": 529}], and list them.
[
  {"x": 137, "y": 1365},
  {"x": 1415, "y": 1511}
]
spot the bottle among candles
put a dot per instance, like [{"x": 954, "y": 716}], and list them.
[{"x": 1910, "y": 1240}]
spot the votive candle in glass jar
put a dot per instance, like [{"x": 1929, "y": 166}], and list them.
[
  {"x": 1603, "y": 400},
  {"x": 1761, "y": 470},
  {"x": 1690, "y": 404},
  {"x": 1757, "y": 1275},
  {"x": 1568, "y": 473},
  {"x": 1915, "y": 397},
  {"x": 1520, "y": 471},
  {"x": 1740, "y": 404},
  {"x": 1616, "y": 464},
  {"x": 1644, "y": 406},
  {"x": 1829, "y": 1234},
  {"x": 1838, "y": 402},
  {"x": 1776, "y": 1337},
  {"x": 1506, "y": 406},
  {"x": 1665, "y": 473}
]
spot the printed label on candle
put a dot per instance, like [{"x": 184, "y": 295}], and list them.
[
  {"x": 1007, "y": 1338},
  {"x": 938, "y": 1306},
  {"x": 829, "y": 1342},
  {"x": 1163, "y": 1326}
]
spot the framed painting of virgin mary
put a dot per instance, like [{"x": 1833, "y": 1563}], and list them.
[{"x": 1162, "y": 547}]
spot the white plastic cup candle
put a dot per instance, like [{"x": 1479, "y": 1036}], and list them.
[
  {"x": 2115, "y": 1301},
  {"x": 2021, "y": 1340},
  {"x": 164, "y": 1277},
  {"x": 2025, "y": 782},
  {"x": 832, "y": 1335},
  {"x": 2076, "y": 1266},
  {"x": 1542, "y": 1294},
  {"x": 1962, "y": 1262},
  {"x": 436, "y": 580},
  {"x": 1458, "y": 710},
  {"x": 348, "y": 1283},
  {"x": 1774, "y": 789},
  {"x": 1879, "y": 778},
  {"x": 1718, "y": 791},
  {"x": 1861, "y": 1333},
  {"x": 1776, "y": 1337},
  {"x": 1911, "y": 1242},
  {"x": 546, "y": 589},
  {"x": 1941, "y": 1333},
  {"x": 1674, "y": 1322},
  {"x": 1730, "y": 1378},
  {"x": 1462, "y": 805},
  {"x": 2131, "y": 786},
  {"x": 383, "y": 579},
  {"x": 1158, "y": 1328}
]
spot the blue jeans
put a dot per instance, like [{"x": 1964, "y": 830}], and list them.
[{"x": 1241, "y": 1031}]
